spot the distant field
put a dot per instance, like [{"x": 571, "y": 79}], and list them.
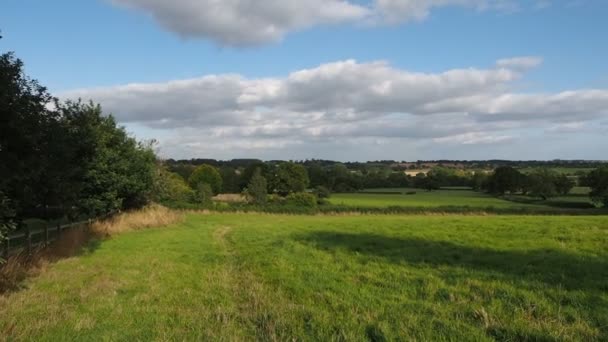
[
  {"x": 319, "y": 278},
  {"x": 565, "y": 170},
  {"x": 422, "y": 198}
]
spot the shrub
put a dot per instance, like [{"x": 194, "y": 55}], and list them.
[
  {"x": 322, "y": 192},
  {"x": 302, "y": 199}
]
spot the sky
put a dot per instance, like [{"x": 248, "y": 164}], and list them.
[{"x": 349, "y": 80}]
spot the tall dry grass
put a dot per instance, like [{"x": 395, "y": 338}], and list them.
[
  {"x": 151, "y": 216},
  {"x": 21, "y": 265}
]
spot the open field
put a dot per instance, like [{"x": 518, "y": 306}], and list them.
[
  {"x": 457, "y": 198},
  {"x": 355, "y": 278}
]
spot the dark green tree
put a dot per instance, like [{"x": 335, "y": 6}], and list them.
[
  {"x": 504, "y": 179},
  {"x": 542, "y": 183},
  {"x": 289, "y": 177},
  {"x": 563, "y": 184},
  {"x": 230, "y": 180},
  {"x": 597, "y": 180}
]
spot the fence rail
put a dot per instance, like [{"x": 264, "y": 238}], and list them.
[{"x": 45, "y": 235}]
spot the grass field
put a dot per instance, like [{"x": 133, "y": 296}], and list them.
[
  {"x": 354, "y": 278},
  {"x": 381, "y": 198}
]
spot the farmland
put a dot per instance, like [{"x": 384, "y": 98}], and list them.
[
  {"x": 454, "y": 198},
  {"x": 362, "y": 277}
]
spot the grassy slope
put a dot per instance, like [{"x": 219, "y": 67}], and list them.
[{"x": 233, "y": 276}]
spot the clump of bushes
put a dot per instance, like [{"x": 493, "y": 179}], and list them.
[
  {"x": 322, "y": 194},
  {"x": 302, "y": 199}
]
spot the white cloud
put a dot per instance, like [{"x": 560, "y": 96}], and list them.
[
  {"x": 254, "y": 22},
  {"x": 520, "y": 62},
  {"x": 346, "y": 102},
  {"x": 245, "y": 22}
]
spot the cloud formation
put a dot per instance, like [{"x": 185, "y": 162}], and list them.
[
  {"x": 255, "y": 22},
  {"x": 345, "y": 104}
]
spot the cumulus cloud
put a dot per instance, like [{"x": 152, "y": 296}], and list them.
[
  {"x": 254, "y": 22},
  {"x": 348, "y": 101},
  {"x": 245, "y": 22}
]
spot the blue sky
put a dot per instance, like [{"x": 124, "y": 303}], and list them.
[{"x": 291, "y": 94}]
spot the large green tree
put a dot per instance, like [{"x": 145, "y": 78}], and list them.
[
  {"x": 289, "y": 177},
  {"x": 504, "y": 179},
  {"x": 597, "y": 180},
  {"x": 257, "y": 188},
  {"x": 206, "y": 174},
  {"x": 64, "y": 158}
]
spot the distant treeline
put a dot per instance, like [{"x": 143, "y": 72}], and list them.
[
  {"x": 405, "y": 165},
  {"x": 540, "y": 182}
]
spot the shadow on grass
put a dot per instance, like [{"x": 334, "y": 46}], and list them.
[
  {"x": 21, "y": 265},
  {"x": 552, "y": 267},
  {"x": 554, "y": 203}
]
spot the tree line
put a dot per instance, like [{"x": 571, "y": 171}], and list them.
[{"x": 64, "y": 159}]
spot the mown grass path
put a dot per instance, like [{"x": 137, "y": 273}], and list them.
[{"x": 362, "y": 278}]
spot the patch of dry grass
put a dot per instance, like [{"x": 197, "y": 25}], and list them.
[
  {"x": 151, "y": 216},
  {"x": 230, "y": 198}
]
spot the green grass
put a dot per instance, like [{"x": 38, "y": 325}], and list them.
[
  {"x": 424, "y": 198},
  {"x": 320, "y": 278},
  {"x": 456, "y": 198}
]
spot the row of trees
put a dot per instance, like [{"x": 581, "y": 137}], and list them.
[
  {"x": 545, "y": 183},
  {"x": 64, "y": 158},
  {"x": 541, "y": 182},
  {"x": 257, "y": 180}
]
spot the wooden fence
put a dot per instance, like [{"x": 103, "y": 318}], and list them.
[{"x": 27, "y": 238}]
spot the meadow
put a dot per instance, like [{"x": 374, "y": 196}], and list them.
[
  {"x": 399, "y": 197},
  {"x": 309, "y": 278}
]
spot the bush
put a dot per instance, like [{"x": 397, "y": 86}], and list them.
[
  {"x": 322, "y": 194},
  {"x": 302, "y": 199}
]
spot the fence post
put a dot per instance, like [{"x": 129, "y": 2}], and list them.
[
  {"x": 58, "y": 230},
  {"x": 46, "y": 235},
  {"x": 28, "y": 239}
]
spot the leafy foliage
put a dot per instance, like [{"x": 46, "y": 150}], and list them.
[
  {"x": 290, "y": 177},
  {"x": 541, "y": 183},
  {"x": 65, "y": 158},
  {"x": 7, "y": 215},
  {"x": 206, "y": 174},
  {"x": 302, "y": 199},
  {"x": 597, "y": 180},
  {"x": 257, "y": 188},
  {"x": 204, "y": 194},
  {"x": 169, "y": 186},
  {"x": 504, "y": 179}
]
